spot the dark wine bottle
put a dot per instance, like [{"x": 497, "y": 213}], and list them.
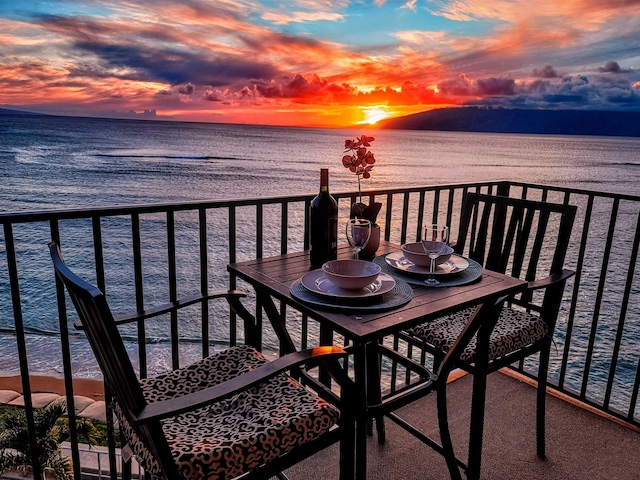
[{"x": 323, "y": 224}]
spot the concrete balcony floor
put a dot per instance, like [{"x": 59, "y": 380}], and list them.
[{"x": 580, "y": 444}]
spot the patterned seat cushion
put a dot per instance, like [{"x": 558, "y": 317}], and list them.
[
  {"x": 227, "y": 439},
  {"x": 515, "y": 329}
]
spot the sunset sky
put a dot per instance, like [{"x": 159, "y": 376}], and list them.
[{"x": 315, "y": 62}]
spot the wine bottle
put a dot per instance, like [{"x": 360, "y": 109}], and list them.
[{"x": 323, "y": 224}]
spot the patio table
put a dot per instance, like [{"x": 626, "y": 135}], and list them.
[{"x": 273, "y": 277}]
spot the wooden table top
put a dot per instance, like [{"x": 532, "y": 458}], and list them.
[{"x": 275, "y": 275}]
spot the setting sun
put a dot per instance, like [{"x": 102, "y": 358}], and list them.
[{"x": 374, "y": 114}]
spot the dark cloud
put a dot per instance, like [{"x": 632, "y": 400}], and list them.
[
  {"x": 539, "y": 86},
  {"x": 245, "y": 92},
  {"x": 306, "y": 89},
  {"x": 187, "y": 89},
  {"x": 165, "y": 61},
  {"x": 613, "y": 67},
  {"x": 571, "y": 92},
  {"x": 177, "y": 67},
  {"x": 301, "y": 86},
  {"x": 496, "y": 86},
  {"x": 463, "y": 86},
  {"x": 213, "y": 96},
  {"x": 623, "y": 97},
  {"x": 547, "y": 72},
  {"x": 460, "y": 86}
]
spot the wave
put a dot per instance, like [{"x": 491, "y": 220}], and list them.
[
  {"x": 623, "y": 164},
  {"x": 166, "y": 155}
]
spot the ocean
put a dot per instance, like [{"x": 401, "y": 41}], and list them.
[
  {"x": 61, "y": 162},
  {"x": 58, "y": 162}
]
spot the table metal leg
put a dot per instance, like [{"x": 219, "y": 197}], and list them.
[
  {"x": 277, "y": 322},
  {"x": 374, "y": 394},
  {"x": 360, "y": 377},
  {"x": 476, "y": 431},
  {"x": 479, "y": 393}
]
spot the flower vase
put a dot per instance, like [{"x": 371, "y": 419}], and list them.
[
  {"x": 368, "y": 212},
  {"x": 369, "y": 251}
]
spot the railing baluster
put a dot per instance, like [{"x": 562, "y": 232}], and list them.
[
  {"x": 421, "y": 203},
  {"x": 436, "y": 206},
  {"x": 139, "y": 291},
  {"x": 631, "y": 418},
  {"x": 173, "y": 288},
  {"x": 388, "y": 217},
  {"x": 233, "y": 243},
  {"x": 307, "y": 206},
  {"x": 284, "y": 228},
  {"x": 259, "y": 230},
  {"x": 405, "y": 219},
  {"x": 98, "y": 253},
  {"x": 204, "y": 279},
  {"x": 450, "y": 210}
]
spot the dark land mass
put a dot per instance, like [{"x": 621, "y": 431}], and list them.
[
  {"x": 497, "y": 120},
  {"x": 555, "y": 122},
  {"x": 11, "y": 111}
]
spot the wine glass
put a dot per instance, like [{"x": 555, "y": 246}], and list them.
[
  {"x": 358, "y": 234},
  {"x": 434, "y": 243}
]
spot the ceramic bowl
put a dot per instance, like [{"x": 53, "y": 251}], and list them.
[
  {"x": 416, "y": 254},
  {"x": 351, "y": 274}
]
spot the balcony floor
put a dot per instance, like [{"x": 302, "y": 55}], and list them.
[{"x": 580, "y": 444}]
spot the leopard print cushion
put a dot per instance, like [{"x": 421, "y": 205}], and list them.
[
  {"x": 230, "y": 438},
  {"x": 515, "y": 329}
]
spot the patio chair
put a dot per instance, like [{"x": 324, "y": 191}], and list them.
[
  {"x": 230, "y": 414},
  {"x": 525, "y": 239}
]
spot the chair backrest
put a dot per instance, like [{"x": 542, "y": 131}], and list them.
[
  {"x": 107, "y": 345},
  {"x": 511, "y": 236}
]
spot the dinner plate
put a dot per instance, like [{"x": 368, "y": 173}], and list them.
[
  {"x": 315, "y": 281},
  {"x": 455, "y": 264},
  {"x": 399, "y": 295}
]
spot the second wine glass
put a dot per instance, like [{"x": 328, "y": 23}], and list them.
[
  {"x": 434, "y": 243},
  {"x": 358, "y": 234}
]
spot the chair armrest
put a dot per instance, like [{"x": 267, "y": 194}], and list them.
[
  {"x": 232, "y": 296},
  {"x": 229, "y": 388},
  {"x": 550, "y": 280}
]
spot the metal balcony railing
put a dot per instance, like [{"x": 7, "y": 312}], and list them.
[{"x": 158, "y": 263}]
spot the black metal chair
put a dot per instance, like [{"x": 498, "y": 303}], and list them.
[
  {"x": 525, "y": 239},
  {"x": 228, "y": 415}
]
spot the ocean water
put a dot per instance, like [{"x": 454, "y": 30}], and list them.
[
  {"x": 59, "y": 162},
  {"x": 52, "y": 162}
]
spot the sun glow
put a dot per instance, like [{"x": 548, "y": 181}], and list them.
[{"x": 374, "y": 114}]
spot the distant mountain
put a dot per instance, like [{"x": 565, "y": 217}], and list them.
[
  {"x": 558, "y": 122},
  {"x": 11, "y": 111}
]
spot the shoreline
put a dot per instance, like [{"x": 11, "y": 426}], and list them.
[{"x": 84, "y": 387}]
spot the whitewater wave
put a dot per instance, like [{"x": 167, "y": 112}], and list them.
[{"x": 171, "y": 156}]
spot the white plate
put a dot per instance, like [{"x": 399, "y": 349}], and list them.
[
  {"x": 455, "y": 264},
  {"x": 316, "y": 282}
]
